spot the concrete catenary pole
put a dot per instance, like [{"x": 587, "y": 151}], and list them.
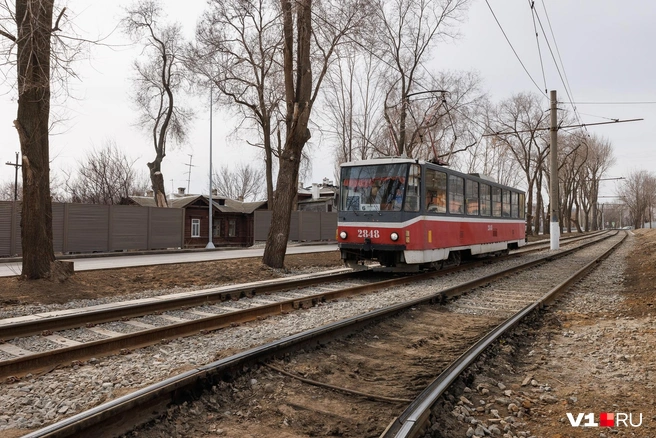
[
  {"x": 210, "y": 241},
  {"x": 554, "y": 228}
]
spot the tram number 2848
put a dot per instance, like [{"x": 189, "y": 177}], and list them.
[{"x": 371, "y": 234}]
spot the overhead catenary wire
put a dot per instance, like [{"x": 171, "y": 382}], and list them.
[
  {"x": 558, "y": 68},
  {"x": 513, "y": 49},
  {"x": 562, "y": 127},
  {"x": 646, "y": 102},
  {"x": 553, "y": 36},
  {"x": 537, "y": 42}
]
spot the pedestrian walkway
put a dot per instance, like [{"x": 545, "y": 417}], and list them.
[{"x": 11, "y": 269}]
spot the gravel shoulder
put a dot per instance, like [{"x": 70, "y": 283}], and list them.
[{"x": 591, "y": 352}]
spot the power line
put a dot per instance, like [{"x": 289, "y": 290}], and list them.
[{"x": 513, "y": 49}]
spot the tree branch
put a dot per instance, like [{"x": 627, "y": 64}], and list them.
[
  {"x": 7, "y": 35},
  {"x": 61, "y": 14}
]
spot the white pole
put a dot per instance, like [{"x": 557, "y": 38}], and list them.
[{"x": 210, "y": 243}]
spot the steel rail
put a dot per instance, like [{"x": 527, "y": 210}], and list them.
[
  {"x": 411, "y": 423},
  {"x": 155, "y": 304},
  {"x": 98, "y": 316},
  {"x": 46, "y": 360},
  {"x": 540, "y": 245},
  {"x": 122, "y": 414}
]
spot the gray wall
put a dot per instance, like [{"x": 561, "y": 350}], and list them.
[
  {"x": 304, "y": 226},
  {"x": 101, "y": 228}
]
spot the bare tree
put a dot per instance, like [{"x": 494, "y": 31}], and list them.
[
  {"x": 573, "y": 154},
  {"x": 237, "y": 51},
  {"x": 7, "y": 191},
  {"x": 352, "y": 102},
  {"x": 410, "y": 28},
  {"x": 243, "y": 183},
  {"x": 159, "y": 79},
  {"x": 520, "y": 123},
  {"x": 599, "y": 160},
  {"x": 336, "y": 21},
  {"x": 442, "y": 125},
  {"x": 105, "y": 176},
  {"x": 35, "y": 45},
  {"x": 637, "y": 192}
]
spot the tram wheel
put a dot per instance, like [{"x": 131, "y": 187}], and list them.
[{"x": 455, "y": 257}]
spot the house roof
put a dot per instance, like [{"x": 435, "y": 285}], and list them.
[
  {"x": 149, "y": 201},
  {"x": 232, "y": 206},
  {"x": 221, "y": 204},
  {"x": 324, "y": 192}
]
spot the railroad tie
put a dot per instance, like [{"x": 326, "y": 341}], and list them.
[
  {"x": 14, "y": 350},
  {"x": 62, "y": 340},
  {"x": 139, "y": 324}
]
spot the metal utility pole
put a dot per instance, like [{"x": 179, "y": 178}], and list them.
[
  {"x": 16, "y": 176},
  {"x": 189, "y": 172},
  {"x": 554, "y": 228},
  {"x": 210, "y": 243}
]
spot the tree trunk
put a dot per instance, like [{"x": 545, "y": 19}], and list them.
[
  {"x": 32, "y": 120},
  {"x": 157, "y": 182},
  {"x": 274, "y": 253},
  {"x": 298, "y": 99},
  {"x": 268, "y": 161}
]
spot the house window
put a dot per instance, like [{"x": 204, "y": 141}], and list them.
[
  {"x": 195, "y": 228},
  {"x": 232, "y": 228}
]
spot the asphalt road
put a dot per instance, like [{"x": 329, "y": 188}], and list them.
[{"x": 112, "y": 262}]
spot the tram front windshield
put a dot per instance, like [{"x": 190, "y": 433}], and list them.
[{"x": 373, "y": 188}]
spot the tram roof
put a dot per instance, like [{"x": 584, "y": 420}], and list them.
[{"x": 382, "y": 160}]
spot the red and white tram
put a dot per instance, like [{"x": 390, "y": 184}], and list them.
[{"x": 411, "y": 213}]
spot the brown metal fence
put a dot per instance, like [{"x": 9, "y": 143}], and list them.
[
  {"x": 98, "y": 228},
  {"x": 304, "y": 226}
]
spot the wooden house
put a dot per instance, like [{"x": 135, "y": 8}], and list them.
[{"x": 233, "y": 221}]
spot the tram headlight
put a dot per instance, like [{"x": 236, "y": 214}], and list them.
[
  {"x": 394, "y": 237},
  {"x": 343, "y": 235}
]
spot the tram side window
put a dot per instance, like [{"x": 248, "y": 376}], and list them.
[
  {"x": 471, "y": 197},
  {"x": 522, "y": 206},
  {"x": 505, "y": 212},
  {"x": 496, "y": 201},
  {"x": 412, "y": 193},
  {"x": 456, "y": 194},
  {"x": 486, "y": 200},
  {"x": 435, "y": 191},
  {"x": 514, "y": 204}
]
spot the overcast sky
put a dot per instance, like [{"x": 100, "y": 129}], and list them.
[{"x": 606, "y": 49}]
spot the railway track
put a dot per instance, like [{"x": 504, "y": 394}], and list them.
[
  {"x": 39, "y": 342},
  {"x": 356, "y": 368}
]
